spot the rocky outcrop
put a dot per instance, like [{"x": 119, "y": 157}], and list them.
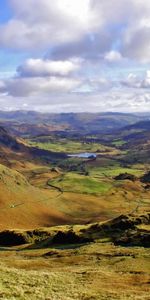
[
  {"x": 12, "y": 238},
  {"x": 126, "y": 176},
  {"x": 138, "y": 238},
  {"x": 69, "y": 237},
  {"x": 146, "y": 178}
]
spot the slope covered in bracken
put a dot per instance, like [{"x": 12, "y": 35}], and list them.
[
  {"x": 12, "y": 148},
  {"x": 23, "y": 205}
]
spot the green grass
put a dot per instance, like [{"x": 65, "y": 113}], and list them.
[
  {"x": 115, "y": 171},
  {"x": 118, "y": 143},
  {"x": 64, "y": 145},
  {"x": 72, "y": 182}
]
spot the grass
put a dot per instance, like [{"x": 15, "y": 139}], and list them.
[
  {"x": 94, "y": 197},
  {"x": 72, "y": 182},
  {"x": 64, "y": 145},
  {"x": 22, "y": 205},
  {"x": 95, "y": 271},
  {"x": 118, "y": 143},
  {"x": 73, "y": 280},
  {"x": 114, "y": 171}
]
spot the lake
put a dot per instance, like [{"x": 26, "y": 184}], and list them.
[{"x": 83, "y": 155}]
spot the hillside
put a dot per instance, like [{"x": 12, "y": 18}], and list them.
[
  {"x": 135, "y": 141},
  {"x": 137, "y": 133},
  {"x": 25, "y": 206},
  {"x": 25, "y": 123},
  {"x": 12, "y": 148},
  {"x": 108, "y": 260},
  {"x": 69, "y": 224}
]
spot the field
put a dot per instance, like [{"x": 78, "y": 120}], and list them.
[
  {"x": 76, "y": 183},
  {"x": 115, "y": 171},
  {"x": 68, "y": 146}
]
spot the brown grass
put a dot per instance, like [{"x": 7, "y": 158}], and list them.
[{"x": 97, "y": 271}]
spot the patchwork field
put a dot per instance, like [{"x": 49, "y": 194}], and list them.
[{"x": 69, "y": 146}]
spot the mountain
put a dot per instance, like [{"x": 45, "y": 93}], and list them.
[
  {"x": 23, "y": 123},
  {"x": 29, "y": 130},
  {"x": 6, "y": 140},
  {"x": 135, "y": 140},
  {"x": 135, "y": 134},
  {"x": 13, "y": 148}
]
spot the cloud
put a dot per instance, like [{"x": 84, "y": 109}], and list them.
[
  {"x": 25, "y": 87},
  {"x": 79, "y": 28},
  {"x": 71, "y": 53},
  {"x": 99, "y": 84},
  {"x": 43, "y": 23},
  {"x": 146, "y": 81},
  {"x": 134, "y": 81},
  {"x": 123, "y": 100},
  {"x": 123, "y": 32},
  {"x": 136, "y": 44},
  {"x": 91, "y": 46},
  {"x": 113, "y": 56},
  {"x": 40, "y": 67}
]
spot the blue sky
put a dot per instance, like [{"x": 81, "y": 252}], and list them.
[
  {"x": 75, "y": 55},
  {"x": 5, "y": 11}
]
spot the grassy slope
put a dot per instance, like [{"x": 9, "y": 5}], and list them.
[
  {"x": 76, "y": 183},
  {"x": 94, "y": 271},
  {"x": 114, "y": 171},
  {"x": 86, "y": 198},
  {"x": 23, "y": 205}
]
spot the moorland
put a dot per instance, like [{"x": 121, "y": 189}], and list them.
[{"x": 74, "y": 206}]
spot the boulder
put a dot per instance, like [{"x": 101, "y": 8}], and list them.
[{"x": 126, "y": 176}]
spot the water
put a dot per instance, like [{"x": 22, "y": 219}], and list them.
[{"x": 83, "y": 155}]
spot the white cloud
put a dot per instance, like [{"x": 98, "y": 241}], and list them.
[
  {"x": 146, "y": 80},
  {"x": 99, "y": 84},
  {"x": 123, "y": 100},
  {"x": 86, "y": 45},
  {"x": 40, "y": 24},
  {"x": 134, "y": 81},
  {"x": 113, "y": 56},
  {"x": 136, "y": 43},
  {"x": 43, "y": 23},
  {"x": 25, "y": 87},
  {"x": 40, "y": 67},
  {"x": 2, "y": 85}
]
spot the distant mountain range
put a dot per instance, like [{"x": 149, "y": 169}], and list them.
[{"x": 24, "y": 123}]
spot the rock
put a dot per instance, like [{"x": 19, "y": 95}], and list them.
[
  {"x": 12, "y": 238},
  {"x": 126, "y": 176},
  {"x": 139, "y": 239},
  {"x": 69, "y": 237},
  {"x": 146, "y": 178}
]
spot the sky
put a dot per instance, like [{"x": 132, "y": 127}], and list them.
[{"x": 75, "y": 55}]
